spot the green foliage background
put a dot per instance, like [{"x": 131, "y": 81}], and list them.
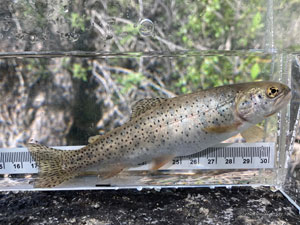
[
  {"x": 194, "y": 45},
  {"x": 196, "y": 26}
]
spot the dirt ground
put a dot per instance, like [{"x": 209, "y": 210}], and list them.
[{"x": 168, "y": 206}]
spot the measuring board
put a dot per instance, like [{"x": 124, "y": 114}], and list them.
[{"x": 223, "y": 156}]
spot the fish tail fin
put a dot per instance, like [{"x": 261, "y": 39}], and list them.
[{"x": 55, "y": 165}]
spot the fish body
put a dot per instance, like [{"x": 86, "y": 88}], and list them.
[{"x": 161, "y": 129}]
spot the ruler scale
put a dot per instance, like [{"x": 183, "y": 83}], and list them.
[{"x": 223, "y": 156}]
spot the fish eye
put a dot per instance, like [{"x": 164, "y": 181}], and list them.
[{"x": 272, "y": 92}]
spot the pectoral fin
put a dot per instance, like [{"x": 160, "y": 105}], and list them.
[
  {"x": 161, "y": 161},
  {"x": 253, "y": 134},
  {"x": 222, "y": 129}
]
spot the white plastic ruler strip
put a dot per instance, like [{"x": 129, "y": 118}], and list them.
[{"x": 223, "y": 156}]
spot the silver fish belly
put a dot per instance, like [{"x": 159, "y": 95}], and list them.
[{"x": 161, "y": 129}]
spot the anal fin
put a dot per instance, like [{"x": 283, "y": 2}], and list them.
[
  {"x": 111, "y": 172},
  {"x": 161, "y": 161}
]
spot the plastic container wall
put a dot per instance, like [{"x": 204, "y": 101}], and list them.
[
  {"x": 96, "y": 26},
  {"x": 286, "y": 31},
  {"x": 134, "y": 49}
]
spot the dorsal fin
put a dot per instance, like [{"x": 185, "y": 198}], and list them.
[{"x": 144, "y": 105}]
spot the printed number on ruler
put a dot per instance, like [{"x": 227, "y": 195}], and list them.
[{"x": 223, "y": 156}]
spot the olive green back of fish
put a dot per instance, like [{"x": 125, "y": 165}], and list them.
[{"x": 160, "y": 129}]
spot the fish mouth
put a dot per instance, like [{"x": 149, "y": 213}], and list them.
[{"x": 282, "y": 99}]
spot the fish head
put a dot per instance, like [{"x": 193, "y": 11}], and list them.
[{"x": 259, "y": 100}]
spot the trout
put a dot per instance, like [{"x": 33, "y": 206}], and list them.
[{"x": 160, "y": 129}]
